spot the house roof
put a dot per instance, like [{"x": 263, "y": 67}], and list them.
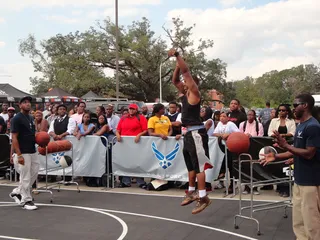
[
  {"x": 90, "y": 95},
  {"x": 57, "y": 92},
  {"x": 9, "y": 91}
]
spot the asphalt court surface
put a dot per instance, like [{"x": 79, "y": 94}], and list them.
[{"x": 105, "y": 215}]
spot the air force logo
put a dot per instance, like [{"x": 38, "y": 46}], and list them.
[
  {"x": 56, "y": 157},
  {"x": 165, "y": 161}
]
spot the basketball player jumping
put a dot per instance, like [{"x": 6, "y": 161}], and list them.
[{"x": 195, "y": 149}]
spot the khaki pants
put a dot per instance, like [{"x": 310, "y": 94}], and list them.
[
  {"x": 28, "y": 174},
  {"x": 306, "y": 212}
]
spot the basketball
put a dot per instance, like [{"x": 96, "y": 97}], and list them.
[
  {"x": 42, "y": 151},
  {"x": 64, "y": 145},
  {"x": 42, "y": 139},
  {"x": 53, "y": 147},
  {"x": 238, "y": 142}
]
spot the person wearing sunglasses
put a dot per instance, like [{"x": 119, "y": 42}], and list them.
[
  {"x": 306, "y": 158},
  {"x": 283, "y": 122},
  {"x": 286, "y": 126}
]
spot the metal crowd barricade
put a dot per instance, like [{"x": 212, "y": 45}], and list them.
[
  {"x": 5, "y": 156},
  {"x": 265, "y": 206},
  {"x": 64, "y": 182},
  {"x": 107, "y": 159},
  {"x": 110, "y": 173}
]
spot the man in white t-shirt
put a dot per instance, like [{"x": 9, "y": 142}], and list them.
[{"x": 4, "y": 113}]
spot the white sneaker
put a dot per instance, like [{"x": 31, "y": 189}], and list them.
[
  {"x": 219, "y": 185},
  {"x": 30, "y": 206},
  {"x": 256, "y": 192},
  {"x": 16, "y": 197}
]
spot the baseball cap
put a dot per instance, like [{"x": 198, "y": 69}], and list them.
[
  {"x": 26, "y": 98},
  {"x": 11, "y": 109},
  {"x": 62, "y": 105},
  {"x": 134, "y": 106}
]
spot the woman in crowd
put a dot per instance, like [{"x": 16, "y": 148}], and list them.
[
  {"x": 206, "y": 114},
  {"x": 102, "y": 128},
  {"x": 216, "y": 117},
  {"x": 124, "y": 112},
  {"x": 85, "y": 128},
  {"x": 252, "y": 128},
  {"x": 283, "y": 122},
  {"x": 222, "y": 131},
  {"x": 159, "y": 125},
  {"x": 40, "y": 123},
  {"x": 100, "y": 110},
  {"x": 286, "y": 126},
  {"x": 53, "y": 115}
]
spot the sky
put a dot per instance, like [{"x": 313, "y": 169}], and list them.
[{"x": 251, "y": 36}]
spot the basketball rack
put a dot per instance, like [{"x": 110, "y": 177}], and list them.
[
  {"x": 265, "y": 206},
  {"x": 46, "y": 188}
]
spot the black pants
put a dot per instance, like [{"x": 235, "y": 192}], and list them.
[{"x": 196, "y": 149}]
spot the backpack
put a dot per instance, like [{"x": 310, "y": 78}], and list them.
[{"x": 257, "y": 127}]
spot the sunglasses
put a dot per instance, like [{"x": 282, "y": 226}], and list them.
[
  {"x": 282, "y": 110},
  {"x": 297, "y": 104}
]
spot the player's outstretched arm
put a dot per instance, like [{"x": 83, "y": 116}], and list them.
[
  {"x": 176, "y": 80},
  {"x": 190, "y": 83}
]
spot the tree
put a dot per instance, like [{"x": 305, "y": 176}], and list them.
[
  {"x": 77, "y": 61},
  {"x": 62, "y": 64},
  {"x": 211, "y": 72},
  {"x": 278, "y": 86}
]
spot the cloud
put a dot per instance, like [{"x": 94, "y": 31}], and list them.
[
  {"x": 2, "y": 44},
  {"x": 76, "y": 12},
  {"x": 313, "y": 44},
  {"x": 228, "y": 3},
  {"x": 271, "y": 36},
  {"x": 124, "y": 12},
  {"x": 61, "y": 19},
  {"x": 20, "y": 78},
  {"x": 18, "y": 4}
]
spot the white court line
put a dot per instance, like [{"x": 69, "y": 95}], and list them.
[
  {"x": 123, "y": 224},
  {"x": 179, "y": 221},
  {"x": 236, "y": 198},
  {"x": 125, "y": 227},
  {"x": 15, "y": 238}
]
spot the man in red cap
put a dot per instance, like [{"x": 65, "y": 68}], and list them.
[
  {"x": 195, "y": 141},
  {"x": 133, "y": 124}
]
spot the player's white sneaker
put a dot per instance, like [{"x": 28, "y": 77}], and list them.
[{"x": 30, "y": 206}]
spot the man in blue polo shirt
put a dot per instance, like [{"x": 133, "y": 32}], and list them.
[{"x": 306, "y": 153}]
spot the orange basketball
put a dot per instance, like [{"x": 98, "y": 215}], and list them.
[
  {"x": 42, "y": 150},
  {"x": 238, "y": 142},
  {"x": 42, "y": 139},
  {"x": 64, "y": 145},
  {"x": 53, "y": 147}
]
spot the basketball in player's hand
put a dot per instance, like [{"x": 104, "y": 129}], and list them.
[
  {"x": 42, "y": 139},
  {"x": 238, "y": 142}
]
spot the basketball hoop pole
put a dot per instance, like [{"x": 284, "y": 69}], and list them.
[{"x": 117, "y": 52}]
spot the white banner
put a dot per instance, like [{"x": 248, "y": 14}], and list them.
[
  {"x": 161, "y": 159},
  {"x": 89, "y": 158}
]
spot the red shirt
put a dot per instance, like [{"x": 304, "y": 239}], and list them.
[{"x": 131, "y": 126}]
